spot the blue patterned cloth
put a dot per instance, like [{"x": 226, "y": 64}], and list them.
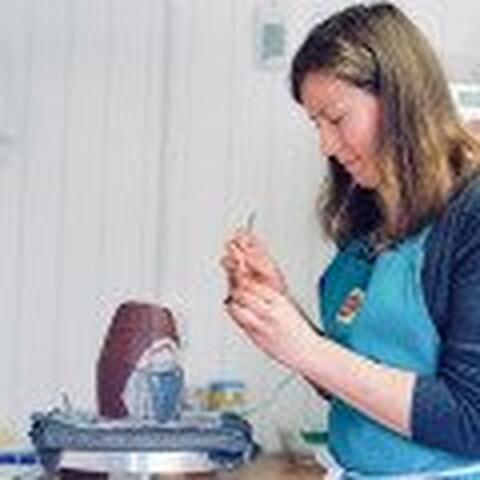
[{"x": 226, "y": 438}]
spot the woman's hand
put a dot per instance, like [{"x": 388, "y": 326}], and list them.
[
  {"x": 247, "y": 259},
  {"x": 258, "y": 300},
  {"x": 272, "y": 322}
]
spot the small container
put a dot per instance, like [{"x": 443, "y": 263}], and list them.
[
  {"x": 166, "y": 390},
  {"x": 226, "y": 395}
]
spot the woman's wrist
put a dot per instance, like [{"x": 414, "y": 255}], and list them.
[{"x": 308, "y": 345}]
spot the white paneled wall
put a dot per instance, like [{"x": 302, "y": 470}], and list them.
[
  {"x": 79, "y": 196},
  {"x": 235, "y": 143},
  {"x": 143, "y": 132}
]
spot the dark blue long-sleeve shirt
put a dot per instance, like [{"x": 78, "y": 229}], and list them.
[{"x": 446, "y": 406}]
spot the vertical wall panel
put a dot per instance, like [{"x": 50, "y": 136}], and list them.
[
  {"x": 117, "y": 156},
  {"x": 232, "y": 147},
  {"x": 15, "y": 50},
  {"x": 81, "y": 227},
  {"x": 40, "y": 210},
  {"x": 80, "y": 201}
]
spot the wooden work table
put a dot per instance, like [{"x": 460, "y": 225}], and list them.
[
  {"x": 266, "y": 467},
  {"x": 276, "y": 468}
]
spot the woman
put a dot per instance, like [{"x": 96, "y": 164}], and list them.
[{"x": 400, "y": 303}]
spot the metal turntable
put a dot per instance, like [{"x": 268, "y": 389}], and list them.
[{"x": 194, "y": 443}]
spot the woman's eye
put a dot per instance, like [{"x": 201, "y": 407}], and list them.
[{"x": 337, "y": 120}]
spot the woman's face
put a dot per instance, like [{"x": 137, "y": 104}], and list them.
[{"x": 348, "y": 120}]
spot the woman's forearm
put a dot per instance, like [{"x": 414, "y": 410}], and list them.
[
  {"x": 275, "y": 325},
  {"x": 379, "y": 391}
]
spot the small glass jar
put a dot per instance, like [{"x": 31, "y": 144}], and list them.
[{"x": 226, "y": 395}]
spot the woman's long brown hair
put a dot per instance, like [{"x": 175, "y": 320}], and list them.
[{"x": 426, "y": 152}]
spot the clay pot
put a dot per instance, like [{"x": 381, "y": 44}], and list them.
[{"x": 134, "y": 327}]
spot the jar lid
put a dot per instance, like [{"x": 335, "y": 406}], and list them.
[{"x": 227, "y": 385}]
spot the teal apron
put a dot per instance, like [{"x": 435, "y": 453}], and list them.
[{"x": 376, "y": 308}]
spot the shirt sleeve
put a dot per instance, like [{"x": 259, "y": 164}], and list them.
[{"x": 446, "y": 407}]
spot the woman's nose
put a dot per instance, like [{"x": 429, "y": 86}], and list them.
[{"x": 329, "y": 142}]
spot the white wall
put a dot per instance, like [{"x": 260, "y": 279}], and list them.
[
  {"x": 144, "y": 132},
  {"x": 235, "y": 143},
  {"x": 79, "y": 192}
]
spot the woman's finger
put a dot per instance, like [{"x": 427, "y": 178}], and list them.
[
  {"x": 237, "y": 256},
  {"x": 248, "y": 242},
  {"x": 264, "y": 292},
  {"x": 230, "y": 264},
  {"x": 260, "y": 306},
  {"x": 243, "y": 317},
  {"x": 254, "y": 262}
]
